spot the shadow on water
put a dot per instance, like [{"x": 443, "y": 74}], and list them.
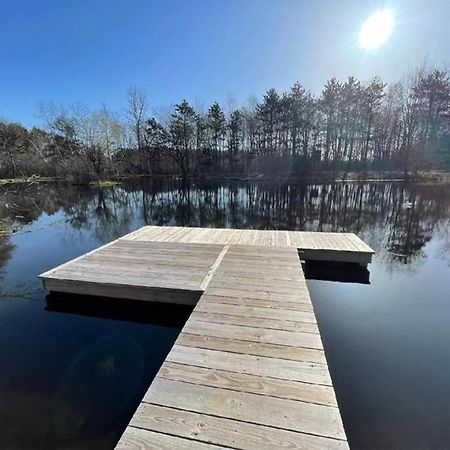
[
  {"x": 333, "y": 271},
  {"x": 160, "y": 314}
]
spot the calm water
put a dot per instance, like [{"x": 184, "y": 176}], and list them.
[{"x": 72, "y": 373}]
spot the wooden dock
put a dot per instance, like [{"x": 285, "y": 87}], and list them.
[
  {"x": 175, "y": 264},
  {"x": 138, "y": 270},
  {"x": 248, "y": 370},
  {"x": 318, "y": 246}
]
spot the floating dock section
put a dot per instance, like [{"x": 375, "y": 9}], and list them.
[{"x": 248, "y": 370}]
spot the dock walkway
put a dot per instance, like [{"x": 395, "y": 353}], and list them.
[
  {"x": 248, "y": 370},
  {"x": 175, "y": 264}
]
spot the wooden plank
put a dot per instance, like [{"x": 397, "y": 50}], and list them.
[
  {"x": 301, "y": 304},
  {"x": 174, "y": 237},
  {"x": 117, "y": 279},
  {"x": 255, "y": 322},
  {"x": 139, "y": 246},
  {"x": 251, "y": 249},
  {"x": 166, "y": 235},
  {"x": 290, "y": 338},
  {"x": 252, "y": 348},
  {"x": 272, "y": 387},
  {"x": 245, "y": 273},
  {"x": 135, "y": 233},
  {"x": 270, "y": 411},
  {"x": 149, "y": 251},
  {"x": 251, "y": 293},
  {"x": 159, "y": 233},
  {"x": 136, "y": 269},
  {"x": 152, "y": 294},
  {"x": 246, "y": 268},
  {"x": 227, "y": 432},
  {"x": 257, "y": 284},
  {"x": 359, "y": 244},
  {"x": 253, "y": 311},
  {"x": 254, "y": 365},
  {"x": 137, "y": 438}
]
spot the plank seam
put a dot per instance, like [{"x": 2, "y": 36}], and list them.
[
  {"x": 258, "y": 328},
  {"x": 181, "y": 436},
  {"x": 254, "y": 354},
  {"x": 252, "y": 392},
  {"x": 213, "y": 268},
  {"x": 255, "y": 342},
  {"x": 245, "y": 421},
  {"x": 248, "y": 373}
]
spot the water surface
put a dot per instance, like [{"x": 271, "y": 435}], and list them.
[{"x": 72, "y": 376}]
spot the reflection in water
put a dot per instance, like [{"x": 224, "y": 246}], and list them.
[
  {"x": 62, "y": 360},
  {"x": 6, "y": 249},
  {"x": 375, "y": 211}
]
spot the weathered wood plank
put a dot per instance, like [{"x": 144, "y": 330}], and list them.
[
  {"x": 299, "y": 305},
  {"x": 228, "y": 432},
  {"x": 121, "y": 280},
  {"x": 243, "y": 382},
  {"x": 138, "y": 438},
  {"x": 255, "y": 322},
  {"x": 251, "y": 293},
  {"x": 276, "y": 313},
  {"x": 82, "y": 287},
  {"x": 249, "y": 364},
  {"x": 281, "y": 413},
  {"x": 294, "y": 339},
  {"x": 232, "y": 345}
]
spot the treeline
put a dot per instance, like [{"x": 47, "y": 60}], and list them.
[{"x": 350, "y": 127}]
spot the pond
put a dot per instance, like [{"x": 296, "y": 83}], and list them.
[{"x": 72, "y": 379}]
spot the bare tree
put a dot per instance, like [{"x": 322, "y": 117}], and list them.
[{"x": 137, "y": 113}]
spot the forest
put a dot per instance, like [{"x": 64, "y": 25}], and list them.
[{"x": 350, "y": 127}]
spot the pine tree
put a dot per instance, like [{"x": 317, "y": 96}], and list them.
[{"x": 182, "y": 133}]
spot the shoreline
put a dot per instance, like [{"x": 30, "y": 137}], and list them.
[{"x": 324, "y": 178}]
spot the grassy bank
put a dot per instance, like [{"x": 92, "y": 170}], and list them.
[
  {"x": 32, "y": 179},
  {"x": 103, "y": 183}
]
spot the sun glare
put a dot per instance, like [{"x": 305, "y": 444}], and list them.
[{"x": 376, "y": 29}]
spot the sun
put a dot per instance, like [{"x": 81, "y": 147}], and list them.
[{"x": 376, "y": 29}]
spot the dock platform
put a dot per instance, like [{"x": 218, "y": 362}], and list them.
[
  {"x": 175, "y": 264},
  {"x": 317, "y": 246},
  {"x": 248, "y": 369}
]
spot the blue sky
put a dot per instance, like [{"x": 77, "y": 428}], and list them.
[{"x": 91, "y": 51}]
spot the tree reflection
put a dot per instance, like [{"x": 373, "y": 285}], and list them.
[
  {"x": 396, "y": 219},
  {"x": 6, "y": 250}
]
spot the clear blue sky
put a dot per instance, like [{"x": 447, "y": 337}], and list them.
[{"x": 92, "y": 51}]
